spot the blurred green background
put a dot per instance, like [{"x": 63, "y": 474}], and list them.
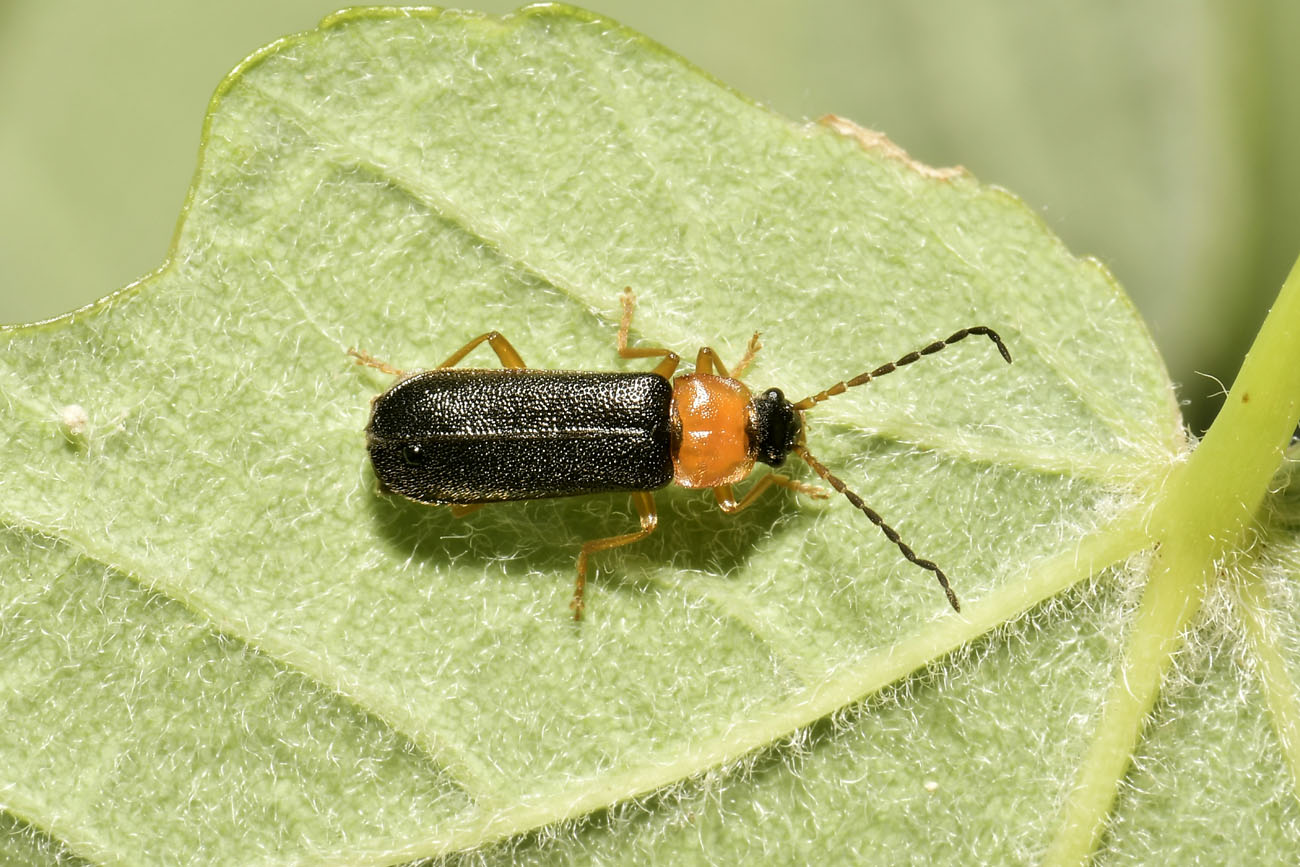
[{"x": 1159, "y": 136}]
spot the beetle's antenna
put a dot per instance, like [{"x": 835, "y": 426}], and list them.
[
  {"x": 841, "y": 387},
  {"x": 890, "y": 532}
]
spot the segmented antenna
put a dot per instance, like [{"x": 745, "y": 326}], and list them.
[
  {"x": 915, "y": 355},
  {"x": 890, "y": 532}
]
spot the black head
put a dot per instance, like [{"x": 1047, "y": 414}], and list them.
[{"x": 776, "y": 426}]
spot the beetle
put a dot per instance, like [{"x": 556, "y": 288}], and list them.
[{"x": 470, "y": 437}]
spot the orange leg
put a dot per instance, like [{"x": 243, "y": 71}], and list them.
[
  {"x": 368, "y": 360},
  {"x": 509, "y": 357},
  {"x": 708, "y": 362},
  {"x": 726, "y": 496},
  {"x": 645, "y": 505},
  {"x": 671, "y": 359},
  {"x": 750, "y": 351},
  {"x": 460, "y": 510}
]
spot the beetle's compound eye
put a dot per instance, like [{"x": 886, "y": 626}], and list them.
[{"x": 413, "y": 454}]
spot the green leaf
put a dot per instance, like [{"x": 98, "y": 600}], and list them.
[{"x": 221, "y": 644}]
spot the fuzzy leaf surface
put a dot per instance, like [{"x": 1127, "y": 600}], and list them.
[{"x": 221, "y": 644}]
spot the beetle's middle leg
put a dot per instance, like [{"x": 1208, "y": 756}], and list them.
[
  {"x": 671, "y": 359},
  {"x": 726, "y": 495},
  {"x": 645, "y": 505}
]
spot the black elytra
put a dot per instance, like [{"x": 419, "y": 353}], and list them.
[{"x": 488, "y": 436}]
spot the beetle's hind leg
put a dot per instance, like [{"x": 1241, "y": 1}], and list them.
[
  {"x": 368, "y": 360},
  {"x": 671, "y": 359},
  {"x": 645, "y": 505},
  {"x": 505, "y": 352}
]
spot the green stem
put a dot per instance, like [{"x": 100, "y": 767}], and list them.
[{"x": 1202, "y": 514}]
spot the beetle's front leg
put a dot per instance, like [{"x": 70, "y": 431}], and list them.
[{"x": 726, "y": 495}]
